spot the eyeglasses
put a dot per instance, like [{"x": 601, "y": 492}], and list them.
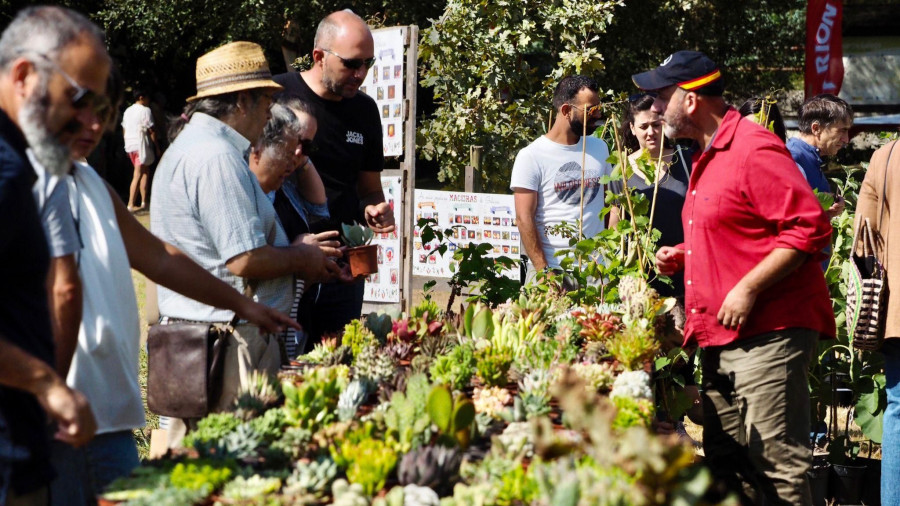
[
  {"x": 592, "y": 110},
  {"x": 353, "y": 63},
  {"x": 637, "y": 96},
  {"x": 309, "y": 147},
  {"x": 84, "y": 97}
]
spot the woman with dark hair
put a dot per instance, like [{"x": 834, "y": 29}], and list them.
[
  {"x": 765, "y": 112},
  {"x": 643, "y": 132}
]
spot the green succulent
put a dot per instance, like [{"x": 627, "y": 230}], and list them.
[
  {"x": 368, "y": 462},
  {"x": 374, "y": 366},
  {"x": 345, "y": 494},
  {"x": 242, "y": 442},
  {"x": 312, "y": 403},
  {"x": 342, "y": 355},
  {"x": 259, "y": 394},
  {"x": 357, "y": 337},
  {"x": 406, "y": 421},
  {"x": 380, "y": 324},
  {"x": 294, "y": 441},
  {"x": 454, "y": 369},
  {"x": 351, "y": 399},
  {"x": 320, "y": 352},
  {"x": 211, "y": 428},
  {"x": 201, "y": 474},
  {"x": 270, "y": 426},
  {"x": 242, "y": 489},
  {"x": 312, "y": 478},
  {"x": 356, "y": 234},
  {"x": 453, "y": 417},
  {"x": 492, "y": 366},
  {"x": 170, "y": 496}
]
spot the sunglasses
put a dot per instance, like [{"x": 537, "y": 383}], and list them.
[
  {"x": 309, "y": 147},
  {"x": 592, "y": 110},
  {"x": 637, "y": 96},
  {"x": 353, "y": 63},
  {"x": 83, "y": 97}
]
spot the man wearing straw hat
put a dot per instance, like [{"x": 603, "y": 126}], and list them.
[
  {"x": 209, "y": 204},
  {"x": 755, "y": 298},
  {"x": 350, "y": 157},
  {"x": 547, "y": 175}
]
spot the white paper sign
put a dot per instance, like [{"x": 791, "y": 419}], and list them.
[
  {"x": 384, "y": 83},
  {"x": 475, "y": 217},
  {"x": 384, "y": 285}
]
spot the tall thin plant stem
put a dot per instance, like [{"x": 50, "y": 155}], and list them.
[
  {"x": 656, "y": 173},
  {"x": 623, "y": 161}
]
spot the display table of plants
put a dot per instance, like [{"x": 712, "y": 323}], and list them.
[{"x": 531, "y": 402}]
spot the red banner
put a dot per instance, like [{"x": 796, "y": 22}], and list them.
[{"x": 824, "y": 51}]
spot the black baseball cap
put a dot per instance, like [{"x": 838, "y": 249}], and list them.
[{"x": 691, "y": 70}]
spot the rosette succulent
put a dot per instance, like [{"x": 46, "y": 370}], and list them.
[
  {"x": 632, "y": 384},
  {"x": 491, "y": 400},
  {"x": 436, "y": 467}
]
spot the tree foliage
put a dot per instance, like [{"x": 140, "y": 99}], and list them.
[{"x": 492, "y": 66}]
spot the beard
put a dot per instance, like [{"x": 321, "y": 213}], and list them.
[
  {"x": 577, "y": 126},
  {"x": 337, "y": 87},
  {"x": 47, "y": 149},
  {"x": 678, "y": 125}
]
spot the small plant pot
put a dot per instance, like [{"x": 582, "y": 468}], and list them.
[
  {"x": 818, "y": 482},
  {"x": 846, "y": 481},
  {"x": 363, "y": 260}
]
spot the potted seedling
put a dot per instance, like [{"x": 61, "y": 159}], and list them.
[{"x": 362, "y": 256}]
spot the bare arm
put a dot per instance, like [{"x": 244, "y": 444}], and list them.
[
  {"x": 613, "y": 217},
  {"x": 65, "y": 296},
  {"x": 21, "y": 370},
  {"x": 168, "y": 266},
  {"x": 739, "y": 301},
  {"x": 379, "y": 215},
  {"x": 310, "y": 183},
  {"x": 526, "y": 207}
]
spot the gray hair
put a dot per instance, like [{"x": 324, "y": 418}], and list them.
[
  {"x": 298, "y": 104},
  {"x": 282, "y": 125},
  {"x": 217, "y": 106},
  {"x": 44, "y": 30},
  {"x": 824, "y": 109}
]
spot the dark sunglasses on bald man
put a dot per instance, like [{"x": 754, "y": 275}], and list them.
[
  {"x": 353, "y": 63},
  {"x": 83, "y": 97}
]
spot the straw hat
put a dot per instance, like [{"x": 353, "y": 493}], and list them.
[{"x": 233, "y": 67}]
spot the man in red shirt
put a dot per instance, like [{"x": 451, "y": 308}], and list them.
[{"x": 756, "y": 299}]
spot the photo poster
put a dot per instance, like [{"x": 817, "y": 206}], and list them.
[
  {"x": 384, "y": 83},
  {"x": 384, "y": 285},
  {"x": 475, "y": 218}
]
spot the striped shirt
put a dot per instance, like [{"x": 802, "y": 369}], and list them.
[{"x": 207, "y": 202}]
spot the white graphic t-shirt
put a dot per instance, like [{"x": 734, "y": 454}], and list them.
[{"x": 554, "y": 172}]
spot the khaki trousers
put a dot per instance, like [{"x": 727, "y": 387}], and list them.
[
  {"x": 756, "y": 416},
  {"x": 248, "y": 350}
]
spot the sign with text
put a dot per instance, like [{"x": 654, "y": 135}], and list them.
[
  {"x": 384, "y": 83},
  {"x": 824, "y": 51},
  {"x": 474, "y": 218},
  {"x": 384, "y": 285}
]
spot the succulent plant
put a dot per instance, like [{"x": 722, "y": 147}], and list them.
[
  {"x": 413, "y": 330},
  {"x": 406, "y": 420},
  {"x": 380, "y": 324},
  {"x": 600, "y": 377},
  {"x": 242, "y": 442},
  {"x": 342, "y": 355},
  {"x": 596, "y": 326},
  {"x": 492, "y": 365},
  {"x": 454, "y": 369},
  {"x": 375, "y": 366},
  {"x": 491, "y": 400},
  {"x": 368, "y": 462},
  {"x": 270, "y": 426},
  {"x": 293, "y": 441},
  {"x": 312, "y": 477},
  {"x": 594, "y": 352},
  {"x": 200, "y": 475},
  {"x": 452, "y": 416},
  {"x": 517, "y": 439},
  {"x": 396, "y": 384},
  {"x": 345, "y": 494},
  {"x": 356, "y": 235},
  {"x": 420, "y": 363},
  {"x": 258, "y": 394},
  {"x": 243, "y": 489},
  {"x": 436, "y": 467},
  {"x": 399, "y": 350},
  {"x": 351, "y": 399},
  {"x": 358, "y": 337},
  {"x": 212, "y": 428},
  {"x": 632, "y": 384},
  {"x": 312, "y": 403}
]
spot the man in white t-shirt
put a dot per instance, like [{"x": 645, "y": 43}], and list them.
[
  {"x": 137, "y": 123},
  {"x": 546, "y": 176}
]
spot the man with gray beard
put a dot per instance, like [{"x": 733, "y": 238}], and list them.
[{"x": 53, "y": 72}]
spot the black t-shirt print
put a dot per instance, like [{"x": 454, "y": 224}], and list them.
[{"x": 349, "y": 140}]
